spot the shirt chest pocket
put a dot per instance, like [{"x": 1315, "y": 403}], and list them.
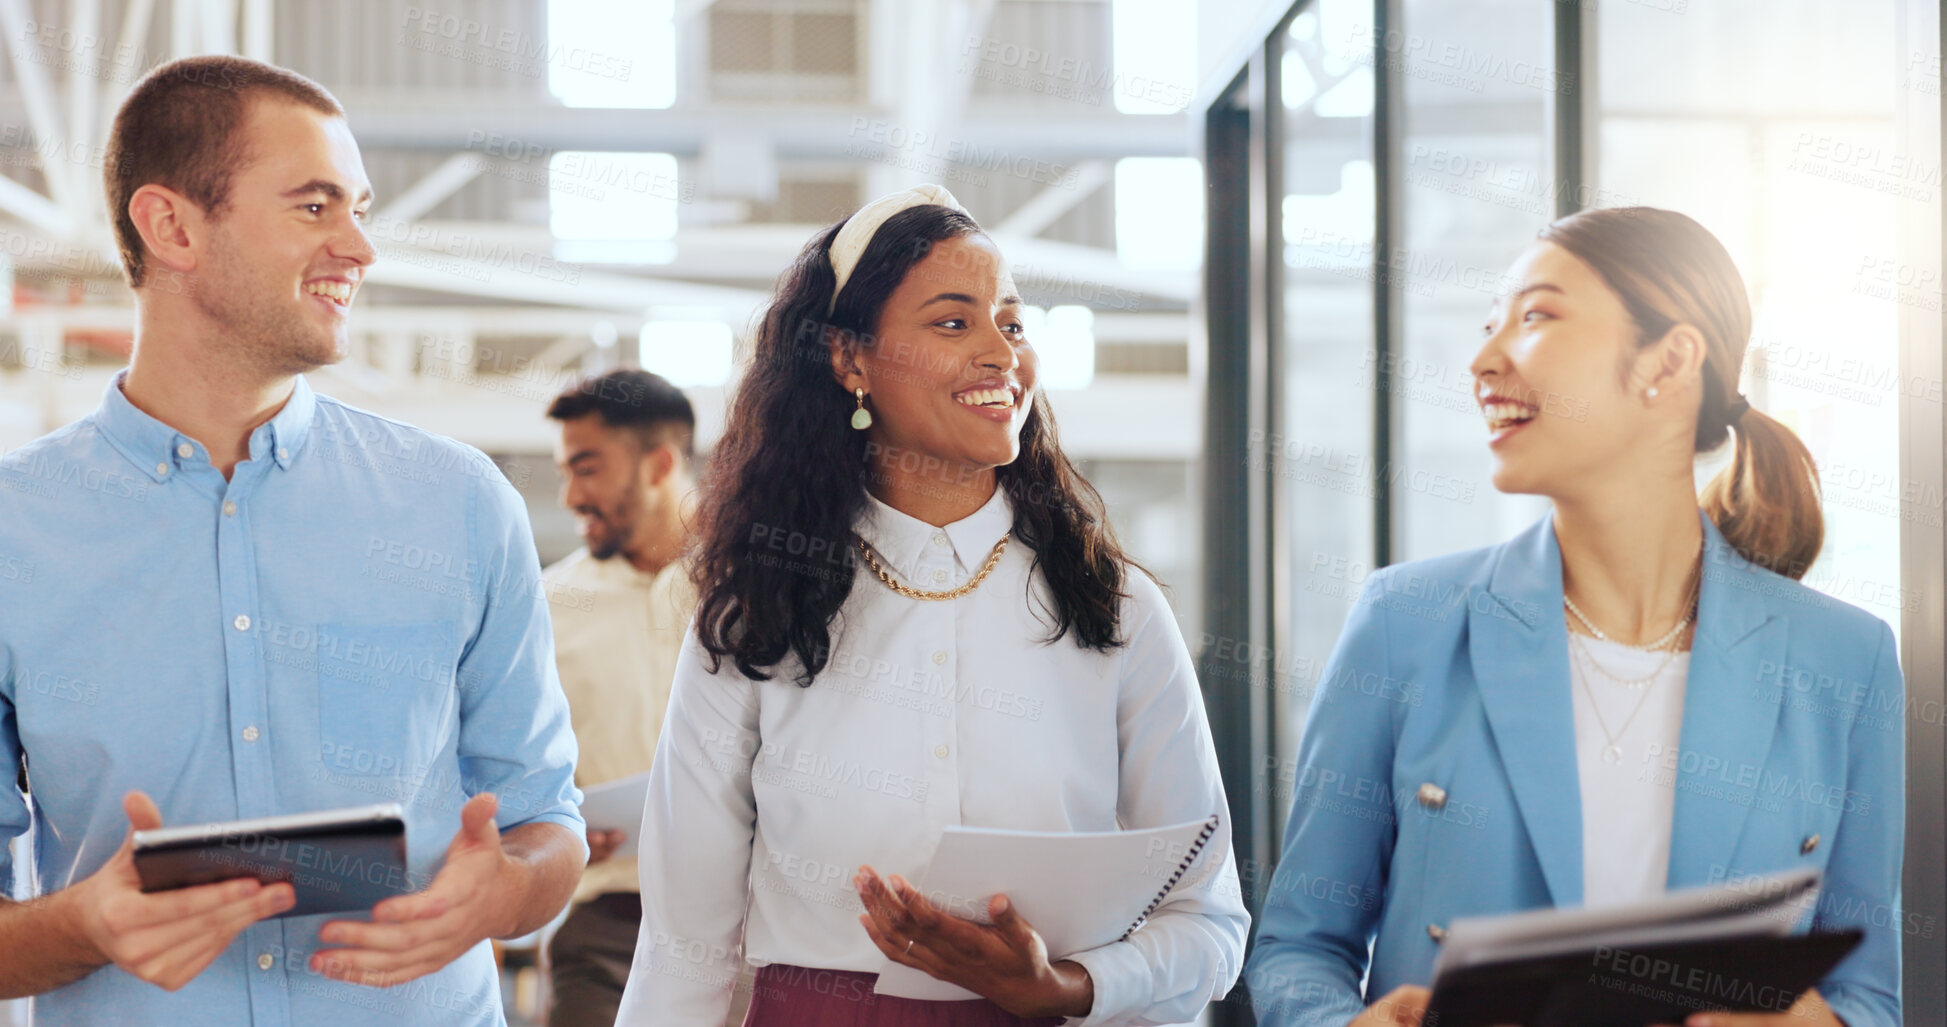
[{"x": 385, "y": 697}]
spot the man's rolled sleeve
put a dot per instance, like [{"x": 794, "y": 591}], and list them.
[{"x": 515, "y": 736}]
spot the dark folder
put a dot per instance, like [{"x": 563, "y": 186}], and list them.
[{"x": 1641, "y": 985}]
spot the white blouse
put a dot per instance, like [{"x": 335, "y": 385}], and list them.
[
  {"x": 1629, "y": 799},
  {"x": 766, "y": 797}
]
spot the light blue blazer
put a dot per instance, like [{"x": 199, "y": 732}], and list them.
[{"x": 1453, "y": 673}]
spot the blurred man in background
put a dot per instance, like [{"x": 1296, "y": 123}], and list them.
[{"x": 621, "y": 605}]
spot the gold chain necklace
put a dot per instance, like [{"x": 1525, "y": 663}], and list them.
[{"x": 993, "y": 560}]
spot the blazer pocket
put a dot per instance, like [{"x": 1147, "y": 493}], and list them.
[{"x": 384, "y": 695}]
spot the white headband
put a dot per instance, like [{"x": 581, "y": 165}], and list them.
[{"x": 850, "y": 242}]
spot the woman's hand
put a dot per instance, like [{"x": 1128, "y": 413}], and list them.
[
  {"x": 1404, "y": 1006},
  {"x": 1006, "y": 961},
  {"x": 1809, "y": 1011}
]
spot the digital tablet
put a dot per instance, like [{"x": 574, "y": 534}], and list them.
[{"x": 339, "y": 860}]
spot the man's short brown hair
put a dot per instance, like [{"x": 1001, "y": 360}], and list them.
[
  {"x": 635, "y": 400},
  {"x": 181, "y": 128}
]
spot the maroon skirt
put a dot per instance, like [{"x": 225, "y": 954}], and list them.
[{"x": 794, "y": 996}]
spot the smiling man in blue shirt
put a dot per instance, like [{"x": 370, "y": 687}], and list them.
[{"x": 244, "y": 599}]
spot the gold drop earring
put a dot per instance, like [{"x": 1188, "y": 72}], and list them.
[{"x": 861, "y": 418}]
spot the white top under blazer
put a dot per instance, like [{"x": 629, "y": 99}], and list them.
[
  {"x": 1629, "y": 799},
  {"x": 769, "y": 796}
]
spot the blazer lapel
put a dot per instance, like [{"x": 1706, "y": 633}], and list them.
[
  {"x": 1730, "y": 714},
  {"x": 1518, "y": 645}
]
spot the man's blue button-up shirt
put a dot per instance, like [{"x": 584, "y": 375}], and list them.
[{"x": 356, "y": 616}]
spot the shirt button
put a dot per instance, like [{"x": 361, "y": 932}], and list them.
[
  {"x": 266, "y": 961},
  {"x": 1432, "y": 796},
  {"x": 283, "y": 454},
  {"x": 939, "y": 540},
  {"x": 941, "y": 751},
  {"x": 162, "y": 468},
  {"x": 1811, "y": 842},
  {"x": 1436, "y": 932},
  {"x": 185, "y": 450},
  {"x": 939, "y": 576},
  {"x": 250, "y": 733},
  {"x": 242, "y": 622},
  {"x": 229, "y": 509},
  {"x": 939, "y": 657}
]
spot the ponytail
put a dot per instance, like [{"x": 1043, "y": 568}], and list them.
[
  {"x": 1670, "y": 270},
  {"x": 1767, "y": 501}
]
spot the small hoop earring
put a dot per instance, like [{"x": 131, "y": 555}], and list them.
[
  {"x": 1652, "y": 393},
  {"x": 861, "y": 418}
]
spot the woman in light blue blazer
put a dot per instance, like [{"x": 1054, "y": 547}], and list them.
[{"x": 1633, "y": 694}]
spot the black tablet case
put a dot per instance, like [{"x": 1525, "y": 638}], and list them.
[
  {"x": 333, "y": 869},
  {"x": 1617, "y": 988}
]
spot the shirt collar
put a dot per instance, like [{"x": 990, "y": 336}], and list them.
[
  {"x": 904, "y": 541},
  {"x": 160, "y": 451},
  {"x": 619, "y": 571}
]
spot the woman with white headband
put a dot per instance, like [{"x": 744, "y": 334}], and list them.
[{"x": 913, "y": 614}]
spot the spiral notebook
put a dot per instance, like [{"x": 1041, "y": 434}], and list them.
[{"x": 1079, "y": 890}]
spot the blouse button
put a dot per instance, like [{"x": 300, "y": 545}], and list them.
[
  {"x": 939, "y": 576},
  {"x": 1811, "y": 842},
  {"x": 1432, "y": 796},
  {"x": 939, "y": 657},
  {"x": 941, "y": 750},
  {"x": 939, "y": 540}
]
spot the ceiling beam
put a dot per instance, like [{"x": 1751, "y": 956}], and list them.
[
  {"x": 1047, "y": 206},
  {"x": 531, "y": 129},
  {"x": 219, "y": 26},
  {"x": 33, "y": 208},
  {"x": 86, "y": 22},
  {"x": 752, "y": 253},
  {"x": 422, "y": 196},
  {"x": 259, "y": 29},
  {"x": 37, "y": 95},
  {"x": 507, "y": 274}
]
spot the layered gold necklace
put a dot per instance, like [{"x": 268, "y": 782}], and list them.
[{"x": 1669, "y": 645}]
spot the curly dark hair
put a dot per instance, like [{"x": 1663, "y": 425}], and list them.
[{"x": 789, "y": 467}]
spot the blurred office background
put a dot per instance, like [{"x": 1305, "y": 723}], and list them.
[{"x": 1259, "y": 236}]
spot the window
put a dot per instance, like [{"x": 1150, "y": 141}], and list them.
[
  {"x": 1472, "y": 186},
  {"x": 1321, "y": 456},
  {"x": 1155, "y": 49},
  {"x": 613, "y": 207},
  {"x": 612, "y": 54},
  {"x": 1791, "y": 107}
]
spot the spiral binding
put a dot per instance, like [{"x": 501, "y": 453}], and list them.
[{"x": 1196, "y": 848}]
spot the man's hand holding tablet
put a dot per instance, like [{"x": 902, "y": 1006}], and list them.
[
  {"x": 476, "y": 895},
  {"x": 165, "y": 938}
]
